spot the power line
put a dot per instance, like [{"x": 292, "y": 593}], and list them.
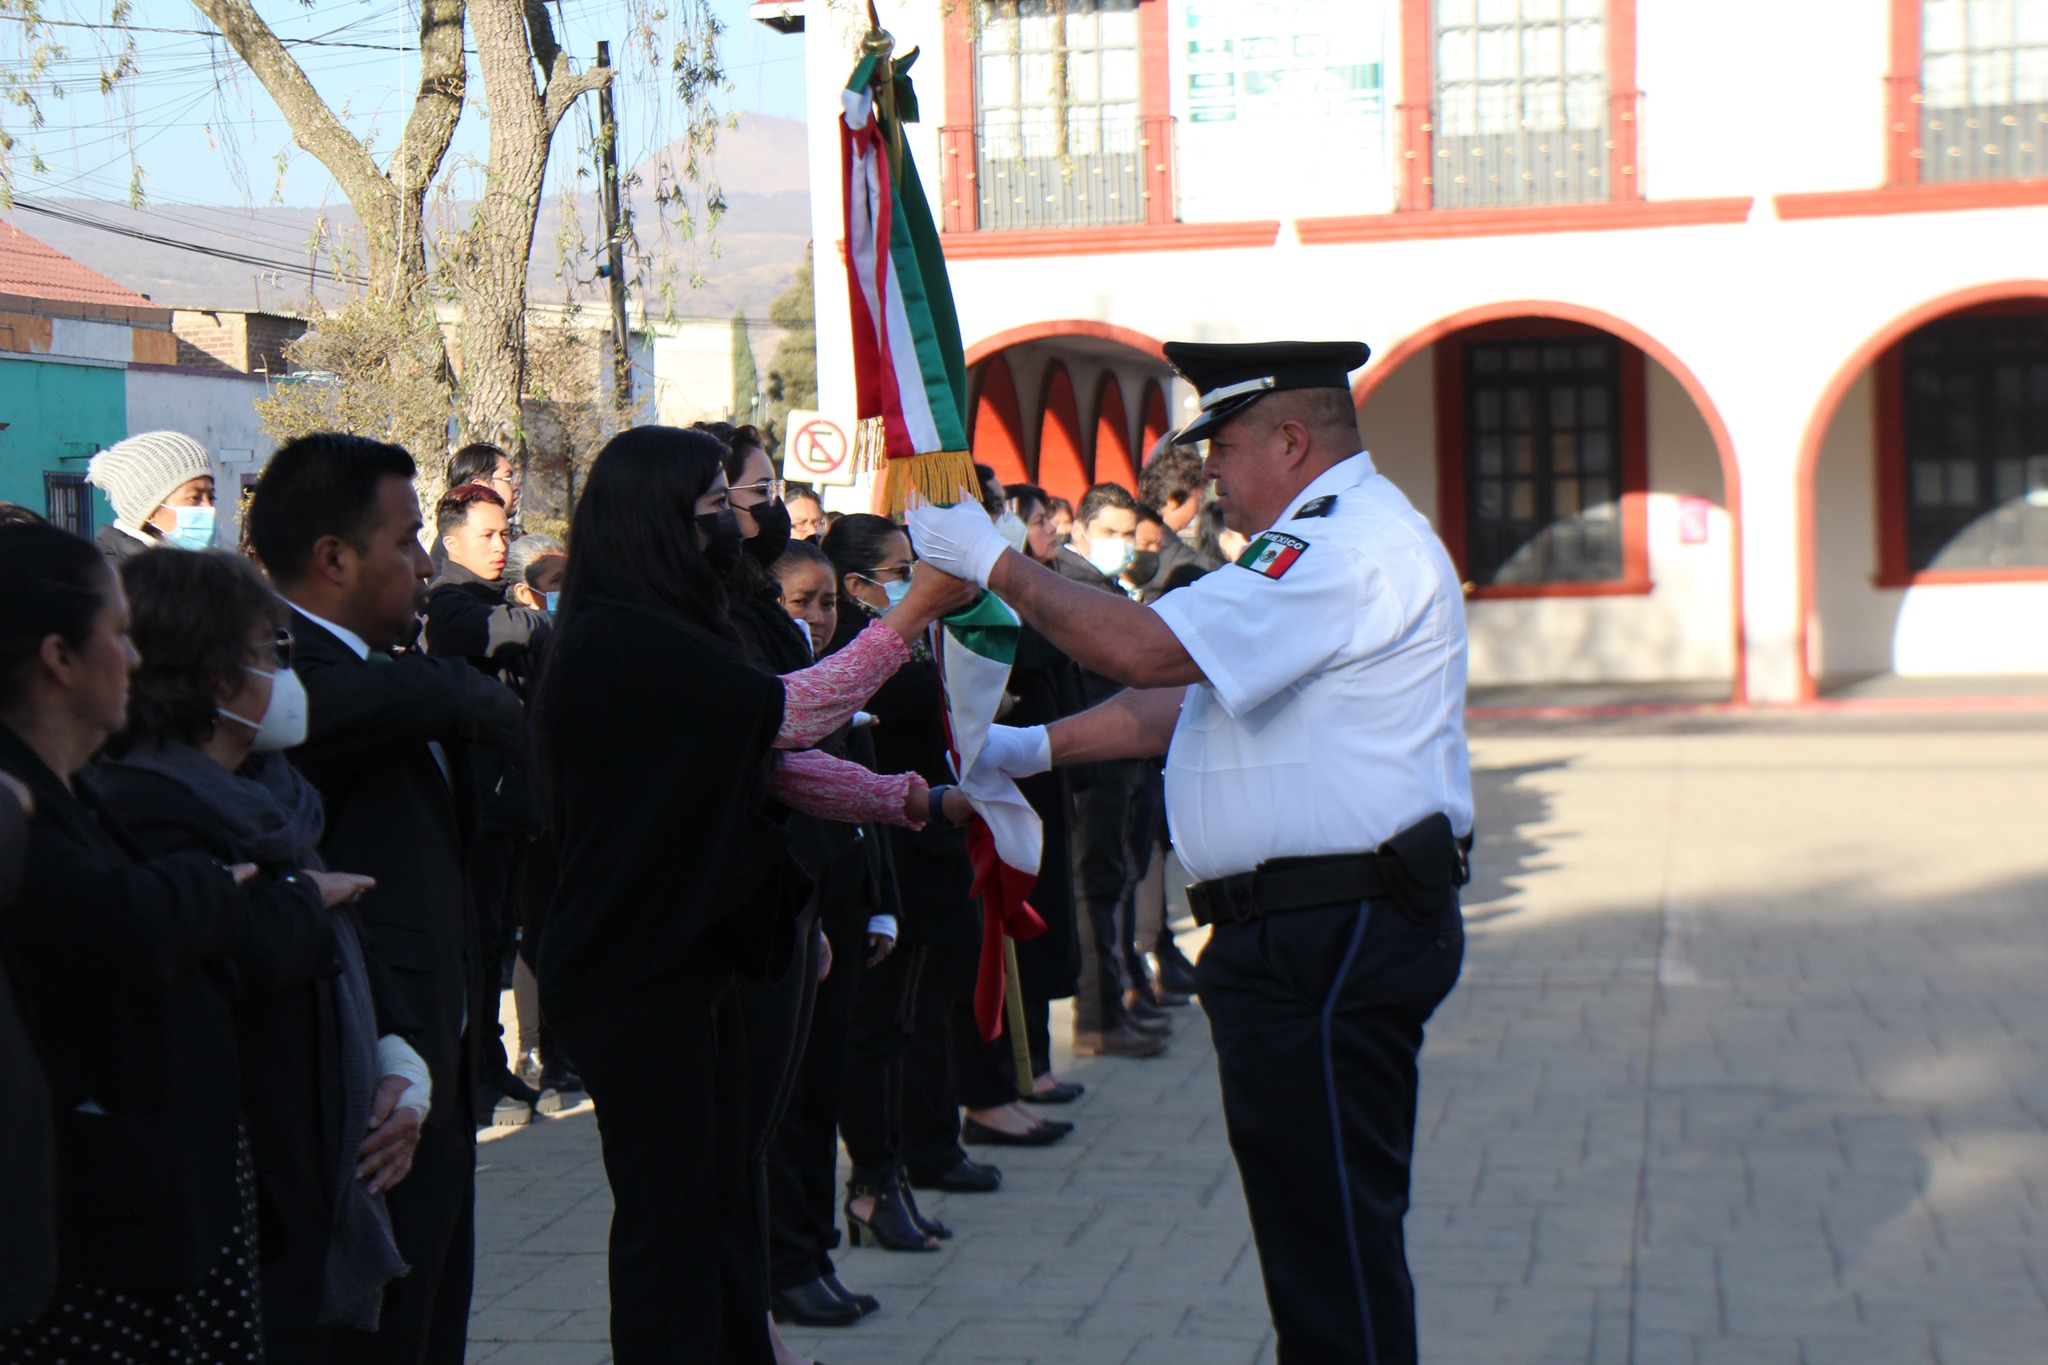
[
  {"x": 289, "y": 268},
  {"x": 215, "y": 33}
]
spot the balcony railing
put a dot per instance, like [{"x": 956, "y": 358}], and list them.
[
  {"x": 1490, "y": 149},
  {"x": 1012, "y": 173},
  {"x": 1983, "y": 142}
]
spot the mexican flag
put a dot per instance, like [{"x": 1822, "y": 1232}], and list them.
[{"x": 911, "y": 375}]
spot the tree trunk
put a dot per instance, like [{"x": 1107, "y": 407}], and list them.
[{"x": 511, "y": 39}]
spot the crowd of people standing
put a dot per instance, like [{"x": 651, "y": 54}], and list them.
[{"x": 280, "y": 824}]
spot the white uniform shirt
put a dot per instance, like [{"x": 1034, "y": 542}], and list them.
[{"x": 1334, "y": 712}]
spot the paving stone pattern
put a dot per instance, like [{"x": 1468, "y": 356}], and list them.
[{"x": 1746, "y": 1065}]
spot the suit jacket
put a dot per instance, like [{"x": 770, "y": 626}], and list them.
[
  {"x": 392, "y": 814},
  {"x": 126, "y": 973}
]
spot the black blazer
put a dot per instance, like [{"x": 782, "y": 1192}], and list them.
[
  {"x": 126, "y": 973},
  {"x": 28, "y": 1177},
  {"x": 392, "y": 815}
]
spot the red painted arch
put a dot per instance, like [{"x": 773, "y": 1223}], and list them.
[
  {"x": 1823, "y": 417},
  {"x": 1154, "y": 425},
  {"x": 1070, "y": 327},
  {"x": 1062, "y": 471},
  {"x": 1113, "y": 435},
  {"x": 998, "y": 439},
  {"x": 1724, "y": 446}
]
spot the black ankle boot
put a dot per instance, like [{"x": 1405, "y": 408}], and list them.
[{"x": 889, "y": 1225}]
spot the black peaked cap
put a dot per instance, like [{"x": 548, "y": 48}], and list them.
[{"x": 1230, "y": 377}]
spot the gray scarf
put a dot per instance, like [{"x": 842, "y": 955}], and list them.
[{"x": 273, "y": 816}]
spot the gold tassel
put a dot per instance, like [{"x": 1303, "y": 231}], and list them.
[{"x": 940, "y": 478}]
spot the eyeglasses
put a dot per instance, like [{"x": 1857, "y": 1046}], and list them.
[
  {"x": 886, "y": 573},
  {"x": 279, "y": 649},
  {"x": 771, "y": 490}
]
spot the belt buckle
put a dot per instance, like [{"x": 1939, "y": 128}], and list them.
[{"x": 1242, "y": 896}]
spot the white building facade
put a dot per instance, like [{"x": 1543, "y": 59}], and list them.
[{"x": 1712, "y": 338}]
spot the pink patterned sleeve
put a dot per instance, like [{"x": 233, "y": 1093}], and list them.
[
  {"x": 833, "y": 789},
  {"x": 823, "y": 697}
]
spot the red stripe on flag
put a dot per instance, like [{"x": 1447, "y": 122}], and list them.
[{"x": 1003, "y": 890}]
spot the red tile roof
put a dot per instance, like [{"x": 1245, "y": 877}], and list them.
[{"x": 37, "y": 271}]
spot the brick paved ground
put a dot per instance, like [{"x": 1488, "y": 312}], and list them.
[{"x": 1747, "y": 1065}]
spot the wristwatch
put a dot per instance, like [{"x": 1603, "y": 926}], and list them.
[{"x": 937, "y": 814}]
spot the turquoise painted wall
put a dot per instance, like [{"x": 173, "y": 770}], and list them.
[{"x": 53, "y": 410}]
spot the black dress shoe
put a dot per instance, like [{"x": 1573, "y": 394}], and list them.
[
  {"x": 1039, "y": 1135},
  {"x": 1066, "y": 1092},
  {"x": 813, "y": 1305},
  {"x": 866, "y": 1303},
  {"x": 1121, "y": 1041},
  {"x": 1153, "y": 1022},
  {"x": 967, "y": 1177}
]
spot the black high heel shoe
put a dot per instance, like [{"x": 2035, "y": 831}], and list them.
[
  {"x": 932, "y": 1227},
  {"x": 889, "y": 1224}
]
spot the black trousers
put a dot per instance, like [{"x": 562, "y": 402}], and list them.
[
  {"x": 1144, "y": 895},
  {"x": 666, "y": 1063},
  {"x": 941, "y": 984},
  {"x": 803, "y": 1158},
  {"x": 1101, "y": 812},
  {"x": 1317, "y": 1017},
  {"x": 433, "y": 1221}
]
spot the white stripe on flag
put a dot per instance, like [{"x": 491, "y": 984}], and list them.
[{"x": 974, "y": 692}]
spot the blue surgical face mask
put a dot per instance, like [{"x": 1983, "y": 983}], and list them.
[
  {"x": 194, "y": 530},
  {"x": 554, "y": 601},
  {"x": 895, "y": 592}
]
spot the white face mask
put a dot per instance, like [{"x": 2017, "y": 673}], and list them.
[
  {"x": 284, "y": 720},
  {"x": 1012, "y": 528},
  {"x": 1110, "y": 557}
]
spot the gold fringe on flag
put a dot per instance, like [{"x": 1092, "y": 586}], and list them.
[{"x": 939, "y": 479}]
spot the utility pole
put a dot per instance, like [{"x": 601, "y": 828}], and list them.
[{"x": 615, "y": 247}]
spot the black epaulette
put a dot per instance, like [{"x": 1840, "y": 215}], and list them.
[{"x": 1317, "y": 507}]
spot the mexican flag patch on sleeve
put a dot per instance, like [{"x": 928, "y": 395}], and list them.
[{"x": 1272, "y": 554}]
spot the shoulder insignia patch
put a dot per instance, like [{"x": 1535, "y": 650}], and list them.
[
  {"x": 1272, "y": 554},
  {"x": 1317, "y": 507}
]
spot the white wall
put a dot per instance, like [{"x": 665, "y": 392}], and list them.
[{"x": 216, "y": 410}]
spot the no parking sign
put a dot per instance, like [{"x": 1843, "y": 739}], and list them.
[{"x": 816, "y": 449}]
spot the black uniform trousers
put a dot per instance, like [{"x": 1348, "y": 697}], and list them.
[
  {"x": 665, "y": 1060},
  {"x": 1317, "y": 1017},
  {"x": 1102, "y": 810}
]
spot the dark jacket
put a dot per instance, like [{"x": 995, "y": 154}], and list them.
[
  {"x": 127, "y": 974},
  {"x": 934, "y": 879},
  {"x": 28, "y": 1178},
  {"x": 290, "y": 1049},
  {"x": 118, "y": 546},
  {"x": 1095, "y": 687},
  {"x": 1179, "y": 565},
  {"x": 381, "y": 730},
  {"x": 659, "y": 735},
  {"x": 1047, "y": 685},
  {"x": 468, "y": 618}
]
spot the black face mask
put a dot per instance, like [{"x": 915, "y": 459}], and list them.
[
  {"x": 722, "y": 540},
  {"x": 1144, "y": 565},
  {"x": 767, "y": 547}
]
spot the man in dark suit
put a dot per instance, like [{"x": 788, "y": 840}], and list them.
[{"x": 336, "y": 522}]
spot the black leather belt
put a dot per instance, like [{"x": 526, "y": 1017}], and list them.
[{"x": 1290, "y": 884}]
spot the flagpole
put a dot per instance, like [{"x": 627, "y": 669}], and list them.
[{"x": 1013, "y": 1001}]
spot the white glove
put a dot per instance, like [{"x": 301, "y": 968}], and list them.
[
  {"x": 959, "y": 540},
  {"x": 1015, "y": 752}
]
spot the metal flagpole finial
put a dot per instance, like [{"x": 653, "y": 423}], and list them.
[{"x": 879, "y": 40}]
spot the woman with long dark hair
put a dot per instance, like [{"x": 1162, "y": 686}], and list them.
[{"x": 667, "y": 744}]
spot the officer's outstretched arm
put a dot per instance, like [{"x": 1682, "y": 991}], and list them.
[
  {"x": 1104, "y": 631},
  {"x": 1134, "y": 724}
]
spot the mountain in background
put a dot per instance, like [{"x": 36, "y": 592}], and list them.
[{"x": 762, "y": 165}]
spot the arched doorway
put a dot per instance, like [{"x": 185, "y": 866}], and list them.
[
  {"x": 1584, "y": 483},
  {"x": 1922, "y": 511},
  {"x": 1070, "y": 380}
]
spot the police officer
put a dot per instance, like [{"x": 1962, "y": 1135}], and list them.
[{"x": 1310, "y": 701}]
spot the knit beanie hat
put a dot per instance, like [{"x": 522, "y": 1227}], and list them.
[{"x": 139, "y": 473}]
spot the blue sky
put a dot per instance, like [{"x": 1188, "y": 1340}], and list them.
[{"x": 205, "y": 133}]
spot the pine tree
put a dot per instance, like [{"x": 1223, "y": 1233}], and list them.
[
  {"x": 746, "y": 377},
  {"x": 793, "y": 373}
]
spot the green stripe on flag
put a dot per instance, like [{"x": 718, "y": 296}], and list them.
[{"x": 987, "y": 627}]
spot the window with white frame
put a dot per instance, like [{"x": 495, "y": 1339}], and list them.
[
  {"x": 1520, "y": 102},
  {"x": 1983, "y": 89},
  {"x": 1059, "y": 133}
]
